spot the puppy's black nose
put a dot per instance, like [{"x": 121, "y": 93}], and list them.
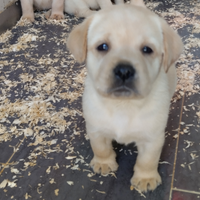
[{"x": 124, "y": 71}]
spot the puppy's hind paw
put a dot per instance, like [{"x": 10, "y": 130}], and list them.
[
  {"x": 28, "y": 18},
  {"x": 145, "y": 184},
  {"x": 57, "y": 16},
  {"x": 105, "y": 167}
]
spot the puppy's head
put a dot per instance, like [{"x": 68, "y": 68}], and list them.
[{"x": 125, "y": 48}]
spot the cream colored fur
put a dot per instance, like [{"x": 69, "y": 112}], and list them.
[
  {"x": 140, "y": 113},
  {"x": 85, "y": 8},
  {"x": 56, "y": 6}
]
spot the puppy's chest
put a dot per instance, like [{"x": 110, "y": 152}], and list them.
[{"x": 125, "y": 128}]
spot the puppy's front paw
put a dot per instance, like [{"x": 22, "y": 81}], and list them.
[
  {"x": 29, "y": 18},
  {"x": 103, "y": 166},
  {"x": 145, "y": 184},
  {"x": 57, "y": 16}
]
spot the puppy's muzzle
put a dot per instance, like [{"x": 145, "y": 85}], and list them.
[{"x": 124, "y": 75}]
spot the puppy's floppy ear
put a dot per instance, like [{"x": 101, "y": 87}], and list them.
[
  {"x": 173, "y": 45},
  {"x": 77, "y": 40},
  {"x": 138, "y": 3}
]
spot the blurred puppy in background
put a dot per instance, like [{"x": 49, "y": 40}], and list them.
[
  {"x": 130, "y": 56},
  {"x": 80, "y": 8},
  {"x": 85, "y": 8},
  {"x": 56, "y": 6}
]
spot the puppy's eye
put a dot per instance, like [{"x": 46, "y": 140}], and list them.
[
  {"x": 147, "y": 50},
  {"x": 102, "y": 47}
]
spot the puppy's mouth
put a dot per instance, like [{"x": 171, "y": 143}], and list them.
[
  {"x": 123, "y": 91},
  {"x": 120, "y": 92}
]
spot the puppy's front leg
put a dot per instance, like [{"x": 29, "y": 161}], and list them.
[
  {"x": 119, "y": 1},
  {"x": 146, "y": 176},
  {"x": 104, "y": 3},
  {"x": 104, "y": 156},
  {"x": 27, "y": 10},
  {"x": 57, "y": 10}
]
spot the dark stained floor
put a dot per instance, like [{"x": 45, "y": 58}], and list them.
[{"x": 44, "y": 149}]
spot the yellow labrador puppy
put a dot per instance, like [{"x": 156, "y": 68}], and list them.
[
  {"x": 130, "y": 55},
  {"x": 84, "y": 8},
  {"x": 56, "y": 5}
]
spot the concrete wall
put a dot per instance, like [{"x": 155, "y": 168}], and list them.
[{"x": 4, "y": 4}]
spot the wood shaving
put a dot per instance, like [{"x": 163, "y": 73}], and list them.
[
  {"x": 4, "y": 183},
  {"x": 48, "y": 170},
  {"x": 14, "y": 170},
  {"x": 52, "y": 181},
  {"x": 175, "y": 136},
  {"x": 90, "y": 175},
  {"x": 165, "y": 162},
  {"x": 193, "y": 156},
  {"x": 141, "y": 194},
  {"x": 102, "y": 192},
  {"x": 26, "y": 196},
  {"x": 70, "y": 157},
  {"x": 12, "y": 184},
  {"x": 70, "y": 182},
  {"x": 189, "y": 143},
  {"x": 131, "y": 187},
  {"x": 93, "y": 180},
  {"x": 56, "y": 192}
]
